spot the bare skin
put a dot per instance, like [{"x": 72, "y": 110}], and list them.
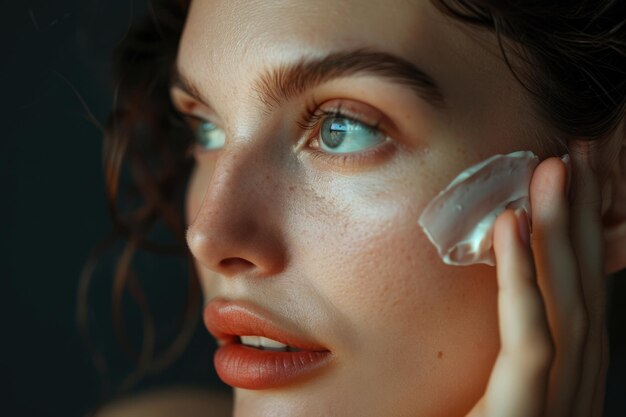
[
  {"x": 330, "y": 241},
  {"x": 171, "y": 401}
]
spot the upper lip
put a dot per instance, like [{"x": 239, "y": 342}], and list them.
[{"x": 227, "y": 320}]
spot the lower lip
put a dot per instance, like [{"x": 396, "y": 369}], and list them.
[{"x": 246, "y": 367}]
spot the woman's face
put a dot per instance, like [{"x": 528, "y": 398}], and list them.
[{"x": 315, "y": 220}]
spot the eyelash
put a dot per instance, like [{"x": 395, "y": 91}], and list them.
[
  {"x": 311, "y": 119},
  {"x": 313, "y": 114}
]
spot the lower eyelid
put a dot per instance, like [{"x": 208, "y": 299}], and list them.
[{"x": 352, "y": 162}]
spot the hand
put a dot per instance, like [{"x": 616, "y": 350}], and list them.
[{"x": 551, "y": 301}]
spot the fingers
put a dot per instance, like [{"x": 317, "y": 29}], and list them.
[
  {"x": 559, "y": 280},
  {"x": 569, "y": 261},
  {"x": 587, "y": 240},
  {"x": 518, "y": 383},
  {"x": 553, "y": 357}
]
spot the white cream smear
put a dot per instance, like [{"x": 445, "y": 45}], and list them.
[{"x": 459, "y": 221}]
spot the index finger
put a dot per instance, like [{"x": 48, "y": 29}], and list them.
[{"x": 519, "y": 380}]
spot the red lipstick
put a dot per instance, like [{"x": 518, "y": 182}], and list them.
[{"x": 250, "y": 367}]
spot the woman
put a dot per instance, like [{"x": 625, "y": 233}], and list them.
[{"x": 307, "y": 235}]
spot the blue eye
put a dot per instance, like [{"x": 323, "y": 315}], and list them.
[
  {"x": 344, "y": 135},
  {"x": 209, "y": 136}
]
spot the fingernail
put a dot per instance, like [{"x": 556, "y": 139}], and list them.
[
  {"x": 522, "y": 225},
  {"x": 568, "y": 164}
]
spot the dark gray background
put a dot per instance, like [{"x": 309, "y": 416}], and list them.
[
  {"x": 55, "y": 55},
  {"x": 52, "y": 209}
]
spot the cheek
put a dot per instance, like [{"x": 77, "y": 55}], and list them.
[
  {"x": 387, "y": 276},
  {"x": 368, "y": 253},
  {"x": 375, "y": 265}
]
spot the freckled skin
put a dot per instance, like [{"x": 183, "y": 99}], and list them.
[{"x": 337, "y": 250}]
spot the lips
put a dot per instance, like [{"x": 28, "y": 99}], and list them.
[{"x": 248, "y": 367}]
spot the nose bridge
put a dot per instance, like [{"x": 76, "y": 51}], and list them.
[
  {"x": 235, "y": 229},
  {"x": 236, "y": 177}
]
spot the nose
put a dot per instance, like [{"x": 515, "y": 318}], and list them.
[{"x": 237, "y": 229}]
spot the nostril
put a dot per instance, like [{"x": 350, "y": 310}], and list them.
[{"x": 235, "y": 264}]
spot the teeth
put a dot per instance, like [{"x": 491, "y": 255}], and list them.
[
  {"x": 266, "y": 344},
  {"x": 269, "y": 343},
  {"x": 250, "y": 341}
]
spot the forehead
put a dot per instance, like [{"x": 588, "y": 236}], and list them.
[
  {"x": 228, "y": 44},
  {"x": 234, "y": 38},
  {"x": 232, "y": 21}
]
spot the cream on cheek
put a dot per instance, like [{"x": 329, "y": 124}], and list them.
[{"x": 459, "y": 220}]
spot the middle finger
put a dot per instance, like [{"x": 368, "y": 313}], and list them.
[{"x": 558, "y": 278}]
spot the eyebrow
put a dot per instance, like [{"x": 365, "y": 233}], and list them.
[{"x": 290, "y": 80}]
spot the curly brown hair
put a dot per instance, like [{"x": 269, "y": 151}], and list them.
[
  {"x": 138, "y": 147},
  {"x": 574, "y": 56}
]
